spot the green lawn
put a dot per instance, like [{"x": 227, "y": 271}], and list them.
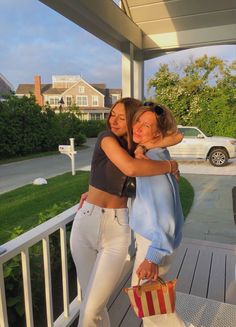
[
  {"x": 26, "y": 205},
  {"x": 31, "y": 204},
  {"x": 186, "y": 195}
]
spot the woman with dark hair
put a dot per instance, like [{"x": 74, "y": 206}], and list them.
[{"x": 100, "y": 234}]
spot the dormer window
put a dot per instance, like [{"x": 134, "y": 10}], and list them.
[{"x": 81, "y": 89}]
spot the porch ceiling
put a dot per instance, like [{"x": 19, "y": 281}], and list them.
[{"x": 154, "y": 26}]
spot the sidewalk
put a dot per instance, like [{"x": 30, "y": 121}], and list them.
[{"x": 211, "y": 217}]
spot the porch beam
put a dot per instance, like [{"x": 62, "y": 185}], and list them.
[{"x": 103, "y": 19}]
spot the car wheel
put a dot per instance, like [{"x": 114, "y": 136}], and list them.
[{"x": 218, "y": 157}]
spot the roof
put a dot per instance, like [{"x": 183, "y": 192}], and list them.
[
  {"x": 100, "y": 86},
  {"x": 5, "y": 86},
  {"x": 47, "y": 89},
  {"x": 153, "y": 27},
  {"x": 114, "y": 91},
  {"x": 29, "y": 88},
  {"x": 55, "y": 90}
]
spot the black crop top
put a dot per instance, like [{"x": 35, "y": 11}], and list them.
[{"x": 104, "y": 174}]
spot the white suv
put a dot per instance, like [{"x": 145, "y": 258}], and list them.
[{"x": 197, "y": 145}]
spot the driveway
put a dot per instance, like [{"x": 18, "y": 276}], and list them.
[
  {"x": 211, "y": 217},
  {"x": 17, "y": 174}
]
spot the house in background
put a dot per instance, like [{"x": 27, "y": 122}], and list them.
[
  {"x": 92, "y": 100},
  {"x": 5, "y": 87}
]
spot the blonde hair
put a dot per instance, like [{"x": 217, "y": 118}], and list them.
[{"x": 166, "y": 123}]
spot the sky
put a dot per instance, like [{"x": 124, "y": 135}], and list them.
[{"x": 35, "y": 40}]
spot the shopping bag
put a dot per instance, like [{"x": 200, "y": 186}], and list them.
[{"x": 152, "y": 298}]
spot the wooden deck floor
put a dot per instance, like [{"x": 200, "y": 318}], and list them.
[{"x": 204, "y": 269}]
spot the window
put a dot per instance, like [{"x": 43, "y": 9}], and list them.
[
  {"x": 189, "y": 132},
  {"x": 68, "y": 100},
  {"x": 94, "y": 100},
  {"x": 84, "y": 116},
  {"x": 114, "y": 98},
  {"x": 94, "y": 116},
  {"x": 81, "y": 89},
  {"x": 82, "y": 100},
  {"x": 53, "y": 100}
]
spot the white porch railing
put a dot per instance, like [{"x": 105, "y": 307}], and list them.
[{"x": 21, "y": 245}]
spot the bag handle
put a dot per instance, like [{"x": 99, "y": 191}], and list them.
[{"x": 159, "y": 279}]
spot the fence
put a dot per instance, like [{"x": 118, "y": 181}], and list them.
[{"x": 21, "y": 245}]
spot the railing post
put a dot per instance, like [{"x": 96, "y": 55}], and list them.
[
  {"x": 27, "y": 288},
  {"x": 48, "y": 281},
  {"x": 3, "y": 306},
  {"x": 64, "y": 271}
]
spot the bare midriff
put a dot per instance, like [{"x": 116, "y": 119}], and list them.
[{"x": 105, "y": 200}]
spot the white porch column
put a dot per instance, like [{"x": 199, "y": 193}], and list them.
[
  {"x": 132, "y": 72},
  {"x": 138, "y": 76},
  {"x": 127, "y": 70}
]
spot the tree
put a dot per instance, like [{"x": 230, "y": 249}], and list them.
[{"x": 201, "y": 93}]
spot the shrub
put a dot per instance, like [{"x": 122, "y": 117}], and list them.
[
  {"x": 26, "y": 129},
  {"x": 92, "y": 128}
]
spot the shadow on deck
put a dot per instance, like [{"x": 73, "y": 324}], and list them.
[{"x": 206, "y": 287}]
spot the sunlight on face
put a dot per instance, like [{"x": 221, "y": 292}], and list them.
[
  {"x": 145, "y": 128},
  {"x": 117, "y": 120}
]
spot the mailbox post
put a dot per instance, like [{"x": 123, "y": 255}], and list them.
[{"x": 69, "y": 150}]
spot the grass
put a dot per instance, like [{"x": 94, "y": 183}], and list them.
[
  {"x": 24, "y": 206},
  {"x": 186, "y": 195}
]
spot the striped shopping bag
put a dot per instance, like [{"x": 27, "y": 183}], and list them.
[{"x": 152, "y": 298}]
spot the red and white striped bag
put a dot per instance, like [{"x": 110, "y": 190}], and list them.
[{"x": 152, "y": 298}]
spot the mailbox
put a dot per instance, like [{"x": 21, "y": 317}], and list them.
[
  {"x": 69, "y": 150},
  {"x": 64, "y": 149}
]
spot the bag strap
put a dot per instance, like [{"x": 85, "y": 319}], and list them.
[{"x": 159, "y": 279}]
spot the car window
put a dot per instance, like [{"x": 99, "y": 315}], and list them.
[{"x": 189, "y": 132}]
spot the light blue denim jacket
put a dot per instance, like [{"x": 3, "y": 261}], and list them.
[{"x": 156, "y": 212}]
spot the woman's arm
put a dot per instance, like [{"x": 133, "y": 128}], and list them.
[
  {"x": 135, "y": 167},
  {"x": 164, "y": 142}
]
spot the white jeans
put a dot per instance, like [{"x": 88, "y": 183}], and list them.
[
  {"x": 100, "y": 239},
  {"x": 165, "y": 320}
]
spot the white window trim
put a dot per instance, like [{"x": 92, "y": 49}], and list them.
[
  {"x": 97, "y": 100},
  {"x": 82, "y": 105},
  {"x": 91, "y": 114},
  {"x": 53, "y": 98},
  {"x": 69, "y": 96}
]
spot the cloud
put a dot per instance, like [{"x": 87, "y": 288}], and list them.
[{"x": 38, "y": 40}]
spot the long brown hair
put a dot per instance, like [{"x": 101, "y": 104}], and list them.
[{"x": 131, "y": 106}]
